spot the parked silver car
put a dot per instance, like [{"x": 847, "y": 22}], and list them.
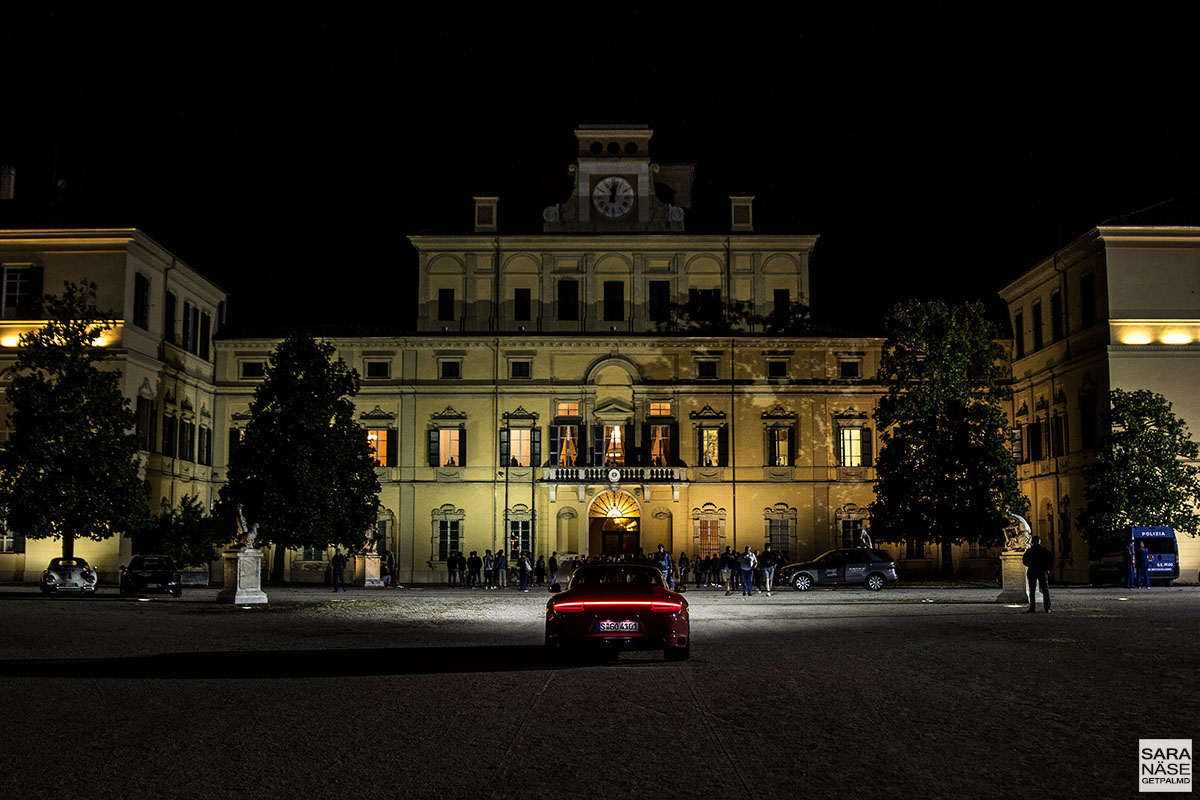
[
  {"x": 857, "y": 566},
  {"x": 68, "y": 575}
]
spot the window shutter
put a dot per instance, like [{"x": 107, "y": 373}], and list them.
[
  {"x": 433, "y": 447},
  {"x": 839, "y": 454},
  {"x": 392, "y": 436},
  {"x": 462, "y": 445},
  {"x": 630, "y": 454},
  {"x": 235, "y": 441},
  {"x": 867, "y": 447},
  {"x": 791, "y": 445},
  {"x": 205, "y": 334},
  {"x": 169, "y": 319},
  {"x": 699, "y": 447},
  {"x": 723, "y": 446},
  {"x": 188, "y": 333},
  {"x": 504, "y": 447},
  {"x": 673, "y": 445},
  {"x": 18, "y": 543},
  {"x": 554, "y": 445},
  {"x": 536, "y": 447},
  {"x": 598, "y": 445},
  {"x": 644, "y": 452}
]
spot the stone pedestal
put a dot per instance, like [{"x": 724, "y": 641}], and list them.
[
  {"x": 243, "y": 578},
  {"x": 1014, "y": 588},
  {"x": 366, "y": 571}
]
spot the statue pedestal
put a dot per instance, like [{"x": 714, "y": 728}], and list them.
[
  {"x": 366, "y": 571},
  {"x": 1014, "y": 588},
  {"x": 243, "y": 578}
]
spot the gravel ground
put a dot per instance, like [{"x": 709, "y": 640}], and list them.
[{"x": 925, "y": 691}]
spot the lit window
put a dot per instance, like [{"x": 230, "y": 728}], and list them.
[
  {"x": 520, "y": 537},
  {"x": 851, "y": 447},
  {"x": 520, "y": 447},
  {"x": 710, "y": 447},
  {"x": 568, "y": 409},
  {"x": 614, "y": 446},
  {"x": 660, "y": 409},
  {"x": 448, "y": 447},
  {"x": 568, "y": 446},
  {"x": 710, "y": 537},
  {"x": 781, "y": 447},
  {"x": 380, "y": 444},
  {"x": 660, "y": 445}
]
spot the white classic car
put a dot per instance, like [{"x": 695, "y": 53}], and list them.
[{"x": 68, "y": 575}]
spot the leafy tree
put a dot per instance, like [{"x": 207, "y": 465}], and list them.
[
  {"x": 1140, "y": 475},
  {"x": 304, "y": 471},
  {"x": 187, "y": 534},
  {"x": 945, "y": 473},
  {"x": 70, "y": 468}
]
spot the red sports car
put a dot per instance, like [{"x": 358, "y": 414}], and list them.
[{"x": 619, "y": 607}]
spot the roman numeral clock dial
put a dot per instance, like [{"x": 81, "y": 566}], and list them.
[{"x": 613, "y": 196}]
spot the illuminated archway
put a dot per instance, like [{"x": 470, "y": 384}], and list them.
[{"x": 614, "y": 524}]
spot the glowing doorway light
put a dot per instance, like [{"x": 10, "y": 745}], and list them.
[{"x": 614, "y": 505}]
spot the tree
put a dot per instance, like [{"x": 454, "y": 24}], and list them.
[
  {"x": 304, "y": 470},
  {"x": 945, "y": 473},
  {"x": 188, "y": 535},
  {"x": 1140, "y": 475},
  {"x": 70, "y": 468}
]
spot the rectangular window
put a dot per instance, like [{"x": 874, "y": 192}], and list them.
[
  {"x": 850, "y": 451},
  {"x": 1056, "y": 316},
  {"x": 849, "y": 369},
  {"x": 445, "y": 305},
  {"x": 449, "y": 440},
  {"x": 519, "y": 369},
  {"x": 205, "y": 335},
  {"x": 21, "y": 293},
  {"x": 710, "y": 447},
  {"x": 1087, "y": 300},
  {"x": 1058, "y": 436},
  {"x": 779, "y": 536},
  {"x": 187, "y": 441},
  {"x": 851, "y": 532},
  {"x": 520, "y": 447},
  {"x": 189, "y": 330},
  {"x": 204, "y": 446},
  {"x": 568, "y": 299},
  {"x": 777, "y": 368},
  {"x": 1037, "y": 327},
  {"x": 914, "y": 549},
  {"x": 1019, "y": 333},
  {"x": 449, "y": 538},
  {"x": 706, "y": 369},
  {"x": 614, "y": 446},
  {"x": 614, "y": 301},
  {"x": 782, "y": 308},
  {"x": 660, "y": 301},
  {"x": 253, "y": 369},
  {"x": 660, "y": 409},
  {"x": 450, "y": 369},
  {"x": 568, "y": 446},
  {"x": 1017, "y": 446},
  {"x": 141, "y": 301},
  {"x": 169, "y": 319},
  {"x": 568, "y": 409},
  {"x": 520, "y": 537},
  {"x": 1033, "y": 441},
  {"x": 780, "y": 447},
  {"x": 660, "y": 445},
  {"x": 169, "y": 436},
  {"x": 1087, "y": 421},
  {"x": 710, "y": 537},
  {"x": 378, "y": 441},
  {"x": 146, "y": 419},
  {"x": 521, "y": 304},
  {"x": 379, "y": 370}
]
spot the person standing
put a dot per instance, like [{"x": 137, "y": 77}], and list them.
[
  {"x": 338, "y": 567},
  {"x": 1143, "y": 565},
  {"x": 747, "y": 562},
  {"x": 539, "y": 571},
  {"x": 767, "y": 563},
  {"x": 727, "y": 559},
  {"x": 501, "y": 568},
  {"x": 1038, "y": 561},
  {"x": 474, "y": 565},
  {"x": 552, "y": 564},
  {"x": 683, "y": 568},
  {"x": 489, "y": 571},
  {"x": 1128, "y": 560},
  {"x": 462, "y": 569},
  {"x": 662, "y": 562},
  {"x": 524, "y": 570},
  {"x": 452, "y": 570}
]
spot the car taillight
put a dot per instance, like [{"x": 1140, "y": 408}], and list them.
[
  {"x": 570, "y": 605},
  {"x": 665, "y": 605}
]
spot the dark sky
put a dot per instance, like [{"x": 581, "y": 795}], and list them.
[{"x": 938, "y": 153}]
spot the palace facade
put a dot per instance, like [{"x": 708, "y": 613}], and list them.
[{"x": 612, "y": 382}]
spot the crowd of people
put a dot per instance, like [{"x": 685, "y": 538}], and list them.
[{"x": 749, "y": 572}]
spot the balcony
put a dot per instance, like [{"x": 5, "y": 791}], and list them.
[{"x": 625, "y": 474}]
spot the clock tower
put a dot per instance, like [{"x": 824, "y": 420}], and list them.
[{"x": 617, "y": 189}]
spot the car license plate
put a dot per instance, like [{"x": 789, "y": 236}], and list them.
[
  {"x": 624, "y": 626},
  {"x": 151, "y": 585}
]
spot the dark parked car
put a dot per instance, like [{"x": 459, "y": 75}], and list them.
[
  {"x": 146, "y": 574},
  {"x": 68, "y": 575},
  {"x": 619, "y": 607},
  {"x": 871, "y": 568}
]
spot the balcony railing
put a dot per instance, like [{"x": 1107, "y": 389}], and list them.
[{"x": 626, "y": 474}]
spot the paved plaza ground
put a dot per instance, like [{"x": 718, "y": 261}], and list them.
[{"x": 919, "y": 691}]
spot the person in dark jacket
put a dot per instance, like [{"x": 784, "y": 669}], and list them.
[
  {"x": 1142, "y": 557},
  {"x": 338, "y": 567},
  {"x": 1038, "y": 561},
  {"x": 474, "y": 565},
  {"x": 553, "y": 566},
  {"x": 1130, "y": 568}
]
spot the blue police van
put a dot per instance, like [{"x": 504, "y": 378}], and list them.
[{"x": 1162, "y": 561}]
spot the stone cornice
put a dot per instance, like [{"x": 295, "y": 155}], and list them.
[{"x": 599, "y": 243}]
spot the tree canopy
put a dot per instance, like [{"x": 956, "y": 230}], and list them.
[
  {"x": 945, "y": 473},
  {"x": 70, "y": 468},
  {"x": 304, "y": 470},
  {"x": 187, "y": 534},
  {"x": 1141, "y": 475}
]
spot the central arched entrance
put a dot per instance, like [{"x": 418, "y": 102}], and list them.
[{"x": 614, "y": 524}]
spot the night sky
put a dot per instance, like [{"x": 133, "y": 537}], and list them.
[{"x": 937, "y": 153}]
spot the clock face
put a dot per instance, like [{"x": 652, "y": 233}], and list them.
[{"x": 613, "y": 196}]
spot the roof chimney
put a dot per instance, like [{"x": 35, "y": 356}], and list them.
[
  {"x": 485, "y": 214},
  {"x": 741, "y": 210}
]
